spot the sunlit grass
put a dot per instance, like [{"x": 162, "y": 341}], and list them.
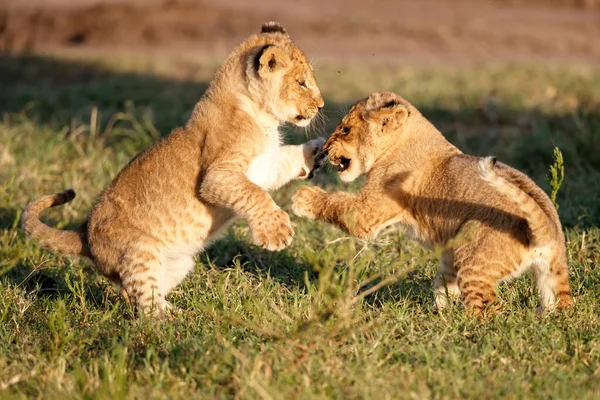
[{"x": 306, "y": 322}]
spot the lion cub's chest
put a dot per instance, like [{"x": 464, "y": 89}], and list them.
[{"x": 263, "y": 168}]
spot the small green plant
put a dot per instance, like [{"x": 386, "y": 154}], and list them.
[{"x": 557, "y": 175}]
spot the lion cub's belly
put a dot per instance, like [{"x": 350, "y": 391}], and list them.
[{"x": 263, "y": 168}]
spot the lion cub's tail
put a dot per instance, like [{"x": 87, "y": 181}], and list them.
[
  {"x": 538, "y": 220},
  {"x": 67, "y": 241}
]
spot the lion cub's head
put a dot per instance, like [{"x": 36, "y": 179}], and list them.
[
  {"x": 365, "y": 133},
  {"x": 282, "y": 79}
]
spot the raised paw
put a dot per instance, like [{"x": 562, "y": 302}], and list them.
[
  {"x": 313, "y": 157},
  {"x": 304, "y": 201},
  {"x": 273, "y": 231}
]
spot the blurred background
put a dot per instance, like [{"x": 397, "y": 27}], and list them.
[{"x": 425, "y": 31}]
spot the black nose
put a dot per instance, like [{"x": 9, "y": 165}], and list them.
[{"x": 320, "y": 108}]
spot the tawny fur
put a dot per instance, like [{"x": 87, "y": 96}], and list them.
[
  {"x": 172, "y": 200},
  {"x": 491, "y": 220}
]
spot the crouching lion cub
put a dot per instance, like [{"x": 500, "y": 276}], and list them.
[
  {"x": 492, "y": 220},
  {"x": 171, "y": 200}
]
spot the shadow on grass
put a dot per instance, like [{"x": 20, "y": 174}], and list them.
[
  {"x": 415, "y": 288},
  {"x": 54, "y": 283},
  {"x": 9, "y": 217},
  {"x": 56, "y": 91},
  {"x": 281, "y": 265},
  {"x": 38, "y": 281}
]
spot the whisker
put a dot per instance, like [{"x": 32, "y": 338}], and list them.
[
  {"x": 316, "y": 122},
  {"x": 321, "y": 123},
  {"x": 342, "y": 110},
  {"x": 311, "y": 128},
  {"x": 307, "y": 133}
]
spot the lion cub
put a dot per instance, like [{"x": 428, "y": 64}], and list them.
[
  {"x": 492, "y": 221},
  {"x": 171, "y": 200}
]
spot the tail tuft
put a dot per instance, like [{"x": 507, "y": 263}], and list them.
[
  {"x": 486, "y": 169},
  {"x": 63, "y": 197}
]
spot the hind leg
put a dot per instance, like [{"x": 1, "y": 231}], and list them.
[
  {"x": 446, "y": 284},
  {"x": 553, "y": 283},
  {"x": 477, "y": 288},
  {"x": 140, "y": 273},
  {"x": 480, "y": 266},
  {"x": 488, "y": 259}
]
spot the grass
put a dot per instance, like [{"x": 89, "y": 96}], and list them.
[{"x": 306, "y": 322}]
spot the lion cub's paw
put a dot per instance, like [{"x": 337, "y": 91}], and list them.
[
  {"x": 304, "y": 201},
  {"x": 312, "y": 157},
  {"x": 273, "y": 231}
]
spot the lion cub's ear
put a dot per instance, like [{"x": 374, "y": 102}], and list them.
[
  {"x": 390, "y": 115},
  {"x": 273, "y": 27},
  {"x": 271, "y": 59}
]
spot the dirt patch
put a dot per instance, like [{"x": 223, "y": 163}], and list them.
[
  {"x": 378, "y": 30},
  {"x": 121, "y": 24}
]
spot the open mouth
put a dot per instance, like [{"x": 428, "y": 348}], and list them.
[{"x": 341, "y": 163}]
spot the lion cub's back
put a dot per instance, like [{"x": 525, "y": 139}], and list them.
[
  {"x": 464, "y": 182},
  {"x": 155, "y": 192}
]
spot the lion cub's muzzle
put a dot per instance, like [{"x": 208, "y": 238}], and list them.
[
  {"x": 341, "y": 162},
  {"x": 308, "y": 115}
]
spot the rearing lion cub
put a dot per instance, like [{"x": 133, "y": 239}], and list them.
[
  {"x": 171, "y": 201},
  {"x": 502, "y": 223}
]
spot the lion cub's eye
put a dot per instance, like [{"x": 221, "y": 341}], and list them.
[
  {"x": 345, "y": 130},
  {"x": 302, "y": 83}
]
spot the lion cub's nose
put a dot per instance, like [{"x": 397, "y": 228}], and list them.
[{"x": 320, "y": 102}]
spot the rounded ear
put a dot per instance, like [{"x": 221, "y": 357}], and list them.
[
  {"x": 271, "y": 59},
  {"x": 390, "y": 115}
]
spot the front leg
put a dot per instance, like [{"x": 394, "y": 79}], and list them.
[
  {"x": 227, "y": 188},
  {"x": 359, "y": 215},
  {"x": 297, "y": 161}
]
